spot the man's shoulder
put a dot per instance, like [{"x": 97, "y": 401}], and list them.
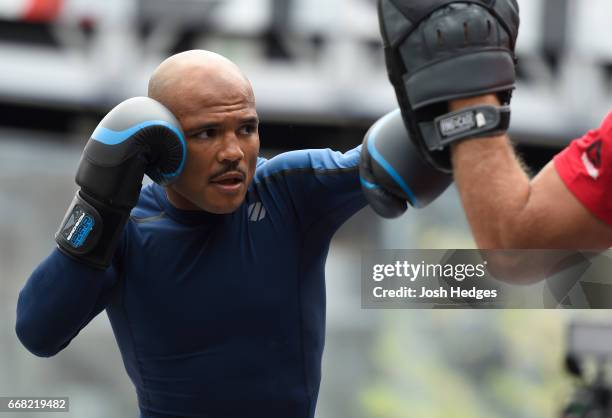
[
  {"x": 307, "y": 161},
  {"x": 280, "y": 164}
]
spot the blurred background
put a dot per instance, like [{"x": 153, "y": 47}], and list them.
[{"x": 319, "y": 79}]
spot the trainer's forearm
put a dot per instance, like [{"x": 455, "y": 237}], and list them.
[{"x": 494, "y": 188}]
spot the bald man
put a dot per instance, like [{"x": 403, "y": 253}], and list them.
[
  {"x": 215, "y": 105},
  {"x": 216, "y": 288}
]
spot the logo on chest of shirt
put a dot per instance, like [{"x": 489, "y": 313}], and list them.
[
  {"x": 591, "y": 159},
  {"x": 256, "y": 212}
]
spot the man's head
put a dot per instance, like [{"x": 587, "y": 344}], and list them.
[{"x": 214, "y": 103}]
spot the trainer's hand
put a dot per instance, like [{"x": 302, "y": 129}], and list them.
[
  {"x": 442, "y": 50},
  {"x": 139, "y": 135},
  {"x": 393, "y": 172}
]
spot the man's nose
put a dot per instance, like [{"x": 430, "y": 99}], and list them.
[{"x": 230, "y": 149}]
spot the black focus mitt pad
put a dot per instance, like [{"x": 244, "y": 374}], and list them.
[
  {"x": 440, "y": 50},
  {"x": 392, "y": 171}
]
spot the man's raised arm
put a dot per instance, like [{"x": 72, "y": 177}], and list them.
[{"x": 76, "y": 281}]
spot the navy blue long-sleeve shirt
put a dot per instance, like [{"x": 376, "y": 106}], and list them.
[{"x": 215, "y": 315}]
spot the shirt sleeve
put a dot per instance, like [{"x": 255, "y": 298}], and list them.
[
  {"x": 585, "y": 167},
  {"x": 322, "y": 185},
  {"x": 59, "y": 299}
]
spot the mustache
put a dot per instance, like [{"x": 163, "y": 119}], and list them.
[{"x": 226, "y": 169}]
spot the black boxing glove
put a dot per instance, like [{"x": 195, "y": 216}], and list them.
[
  {"x": 392, "y": 171},
  {"x": 441, "y": 50},
  {"x": 138, "y": 136}
]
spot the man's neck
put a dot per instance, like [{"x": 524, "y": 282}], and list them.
[{"x": 179, "y": 201}]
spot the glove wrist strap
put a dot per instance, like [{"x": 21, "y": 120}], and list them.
[
  {"x": 471, "y": 122},
  {"x": 90, "y": 230}
]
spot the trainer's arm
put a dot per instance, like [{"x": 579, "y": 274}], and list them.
[
  {"x": 58, "y": 300},
  {"x": 507, "y": 210}
]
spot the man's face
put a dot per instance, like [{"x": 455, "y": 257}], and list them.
[{"x": 220, "y": 123}]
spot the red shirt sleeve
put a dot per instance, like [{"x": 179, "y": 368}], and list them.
[{"x": 585, "y": 167}]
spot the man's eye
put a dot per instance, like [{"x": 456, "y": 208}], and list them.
[
  {"x": 248, "y": 129},
  {"x": 206, "y": 134}
]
